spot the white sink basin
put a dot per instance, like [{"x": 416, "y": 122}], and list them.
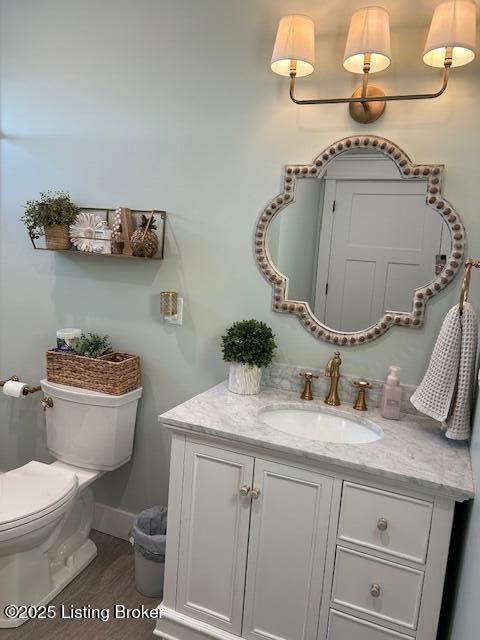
[{"x": 321, "y": 425}]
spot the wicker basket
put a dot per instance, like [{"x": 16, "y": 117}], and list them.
[
  {"x": 57, "y": 237},
  {"x": 115, "y": 373}
]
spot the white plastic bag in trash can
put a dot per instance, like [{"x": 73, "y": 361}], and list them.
[{"x": 149, "y": 538}]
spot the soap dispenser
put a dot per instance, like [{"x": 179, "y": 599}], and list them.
[{"x": 392, "y": 394}]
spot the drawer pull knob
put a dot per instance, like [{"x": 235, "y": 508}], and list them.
[
  {"x": 382, "y": 524},
  {"x": 254, "y": 493},
  {"x": 245, "y": 490},
  {"x": 375, "y": 590}
]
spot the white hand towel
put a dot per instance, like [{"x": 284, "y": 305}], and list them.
[{"x": 445, "y": 392}]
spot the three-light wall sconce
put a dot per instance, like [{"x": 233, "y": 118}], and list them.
[{"x": 451, "y": 42}]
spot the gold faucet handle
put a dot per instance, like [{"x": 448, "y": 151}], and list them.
[
  {"x": 308, "y": 375},
  {"x": 362, "y": 386},
  {"x": 307, "y": 389}
]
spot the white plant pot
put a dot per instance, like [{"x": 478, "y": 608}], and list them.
[{"x": 244, "y": 379}]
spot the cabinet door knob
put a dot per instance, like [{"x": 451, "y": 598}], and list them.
[
  {"x": 382, "y": 524},
  {"x": 245, "y": 490},
  {"x": 254, "y": 493},
  {"x": 375, "y": 590}
]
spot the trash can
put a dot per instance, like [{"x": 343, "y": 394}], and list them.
[{"x": 148, "y": 539}]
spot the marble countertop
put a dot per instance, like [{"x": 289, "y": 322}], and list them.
[{"x": 413, "y": 450}]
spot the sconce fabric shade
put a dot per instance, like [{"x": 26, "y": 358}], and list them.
[
  {"x": 369, "y": 32},
  {"x": 295, "y": 41},
  {"x": 454, "y": 24}
]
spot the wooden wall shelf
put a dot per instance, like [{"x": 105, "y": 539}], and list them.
[
  {"x": 160, "y": 221},
  {"x": 88, "y": 254}
]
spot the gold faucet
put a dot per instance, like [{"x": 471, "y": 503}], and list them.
[{"x": 332, "y": 371}]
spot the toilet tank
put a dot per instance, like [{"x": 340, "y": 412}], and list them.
[{"x": 89, "y": 429}]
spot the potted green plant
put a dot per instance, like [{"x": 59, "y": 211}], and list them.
[
  {"x": 51, "y": 215},
  {"x": 91, "y": 345},
  {"x": 248, "y": 346}
]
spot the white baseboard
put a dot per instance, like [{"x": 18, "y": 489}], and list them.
[{"x": 114, "y": 522}]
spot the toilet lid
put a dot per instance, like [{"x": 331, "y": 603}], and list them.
[{"x": 30, "y": 491}]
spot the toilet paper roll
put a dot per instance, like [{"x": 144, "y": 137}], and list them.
[{"x": 14, "y": 388}]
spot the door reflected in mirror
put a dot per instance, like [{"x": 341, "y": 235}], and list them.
[{"x": 357, "y": 242}]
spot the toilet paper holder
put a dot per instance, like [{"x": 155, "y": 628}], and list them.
[{"x": 28, "y": 389}]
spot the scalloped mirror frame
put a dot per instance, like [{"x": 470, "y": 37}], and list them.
[{"x": 433, "y": 173}]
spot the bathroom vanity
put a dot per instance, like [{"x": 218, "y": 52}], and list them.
[{"x": 273, "y": 535}]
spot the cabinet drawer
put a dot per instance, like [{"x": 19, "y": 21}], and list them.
[
  {"x": 389, "y": 522},
  {"x": 383, "y": 589},
  {"x": 343, "y": 627}
]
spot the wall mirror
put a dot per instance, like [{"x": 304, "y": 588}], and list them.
[{"x": 359, "y": 240}]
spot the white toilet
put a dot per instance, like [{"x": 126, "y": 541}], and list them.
[{"x": 46, "y": 510}]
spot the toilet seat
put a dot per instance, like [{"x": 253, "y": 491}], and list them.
[{"x": 33, "y": 491}]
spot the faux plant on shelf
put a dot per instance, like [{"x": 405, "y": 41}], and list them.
[
  {"x": 51, "y": 215},
  {"x": 248, "y": 346},
  {"x": 91, "y": 345}
]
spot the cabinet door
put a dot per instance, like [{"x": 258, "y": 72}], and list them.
[
  {"x": 214, "y": 536},
  {"x": 286, "y": 557}
]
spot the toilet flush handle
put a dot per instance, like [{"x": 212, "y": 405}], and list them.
[{"x": 47, "y": 403}]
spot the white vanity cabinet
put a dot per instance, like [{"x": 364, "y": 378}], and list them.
[{"x": 265, "y": 547}]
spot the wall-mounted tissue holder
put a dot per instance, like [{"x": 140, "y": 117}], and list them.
[{"x": 16, "y": 389}]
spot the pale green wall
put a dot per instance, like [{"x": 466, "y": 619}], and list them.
[{"x": 171, "y": 104}]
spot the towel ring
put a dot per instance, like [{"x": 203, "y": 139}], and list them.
[{"x": 466, "y": 281}]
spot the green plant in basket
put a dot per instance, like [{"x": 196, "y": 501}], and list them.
[
  {"x": 51, "y": 215},
  {"x": 91, "y": 345}
]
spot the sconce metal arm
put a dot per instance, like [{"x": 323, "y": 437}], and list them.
[{"x": 364, "y": 99}]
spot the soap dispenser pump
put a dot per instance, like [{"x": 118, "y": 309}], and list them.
[{"x": 392, "y": 394}]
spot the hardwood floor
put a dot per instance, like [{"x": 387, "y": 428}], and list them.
[{"x": 107, "y": 581}]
